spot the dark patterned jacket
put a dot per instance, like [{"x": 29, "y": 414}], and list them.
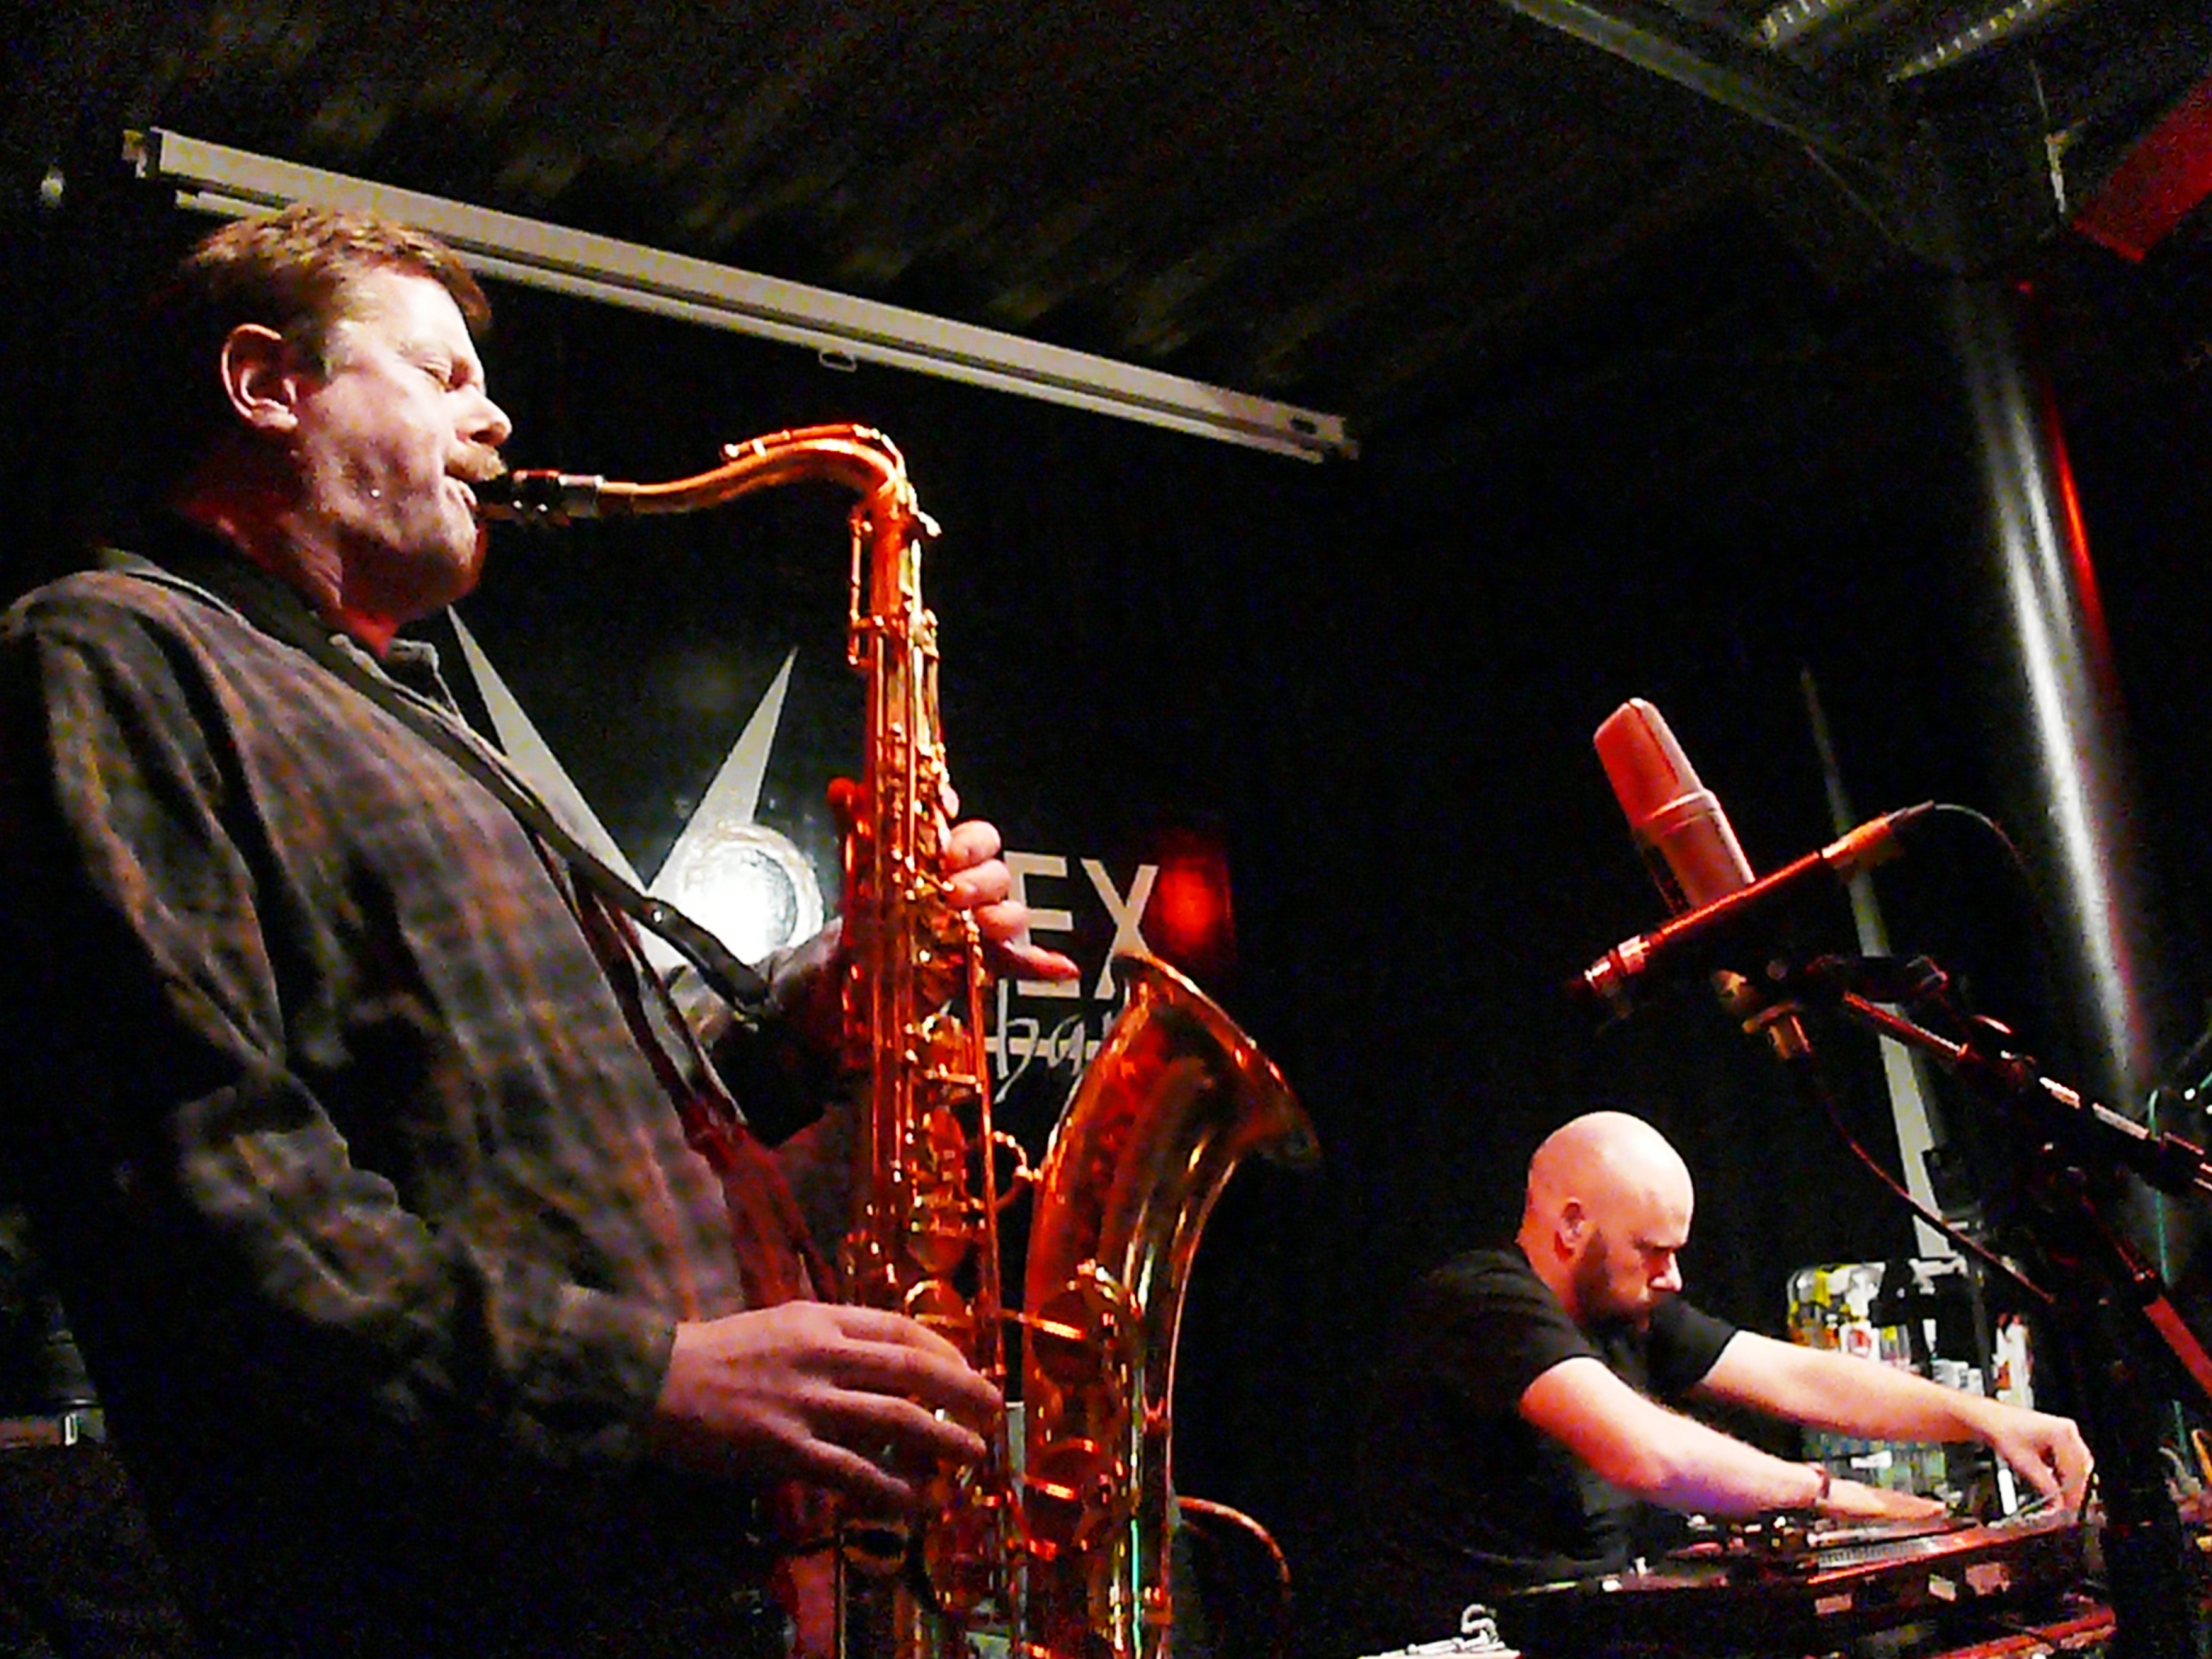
[{"x": 373, "y": 1215}]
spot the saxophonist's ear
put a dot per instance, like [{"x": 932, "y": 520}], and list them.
[{"x": 264, "y": 380}]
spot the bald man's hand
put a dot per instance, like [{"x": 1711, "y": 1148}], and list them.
[
  {"x": 1854, "y": 1500},
  {"x": 2048, "y": 1452}
]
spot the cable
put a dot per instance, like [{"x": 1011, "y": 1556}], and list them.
[{"x": 1813, "y": 1082}]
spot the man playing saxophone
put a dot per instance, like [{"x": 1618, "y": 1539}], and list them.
[{"x": 354, "y": 1126}]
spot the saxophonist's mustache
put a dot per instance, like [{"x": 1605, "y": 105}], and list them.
[{"x": 478, "y": 463}]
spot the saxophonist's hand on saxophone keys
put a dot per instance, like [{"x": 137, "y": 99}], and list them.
[
  {"x": 809, "y": 976},
  {"x": 981, "y": 883},
  {"x": 850, "y": 1399}
]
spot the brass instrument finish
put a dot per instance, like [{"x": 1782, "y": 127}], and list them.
[
  {"x": 1072, "y": 1564},
  {"x": 1176, "y": 1098},
  {"x": 923, "y": 1239}
]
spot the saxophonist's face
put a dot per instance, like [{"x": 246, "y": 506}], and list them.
[{"x": 389, "y": 437}]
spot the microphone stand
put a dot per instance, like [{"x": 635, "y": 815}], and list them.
[{"x": 2106, "y": 1296}]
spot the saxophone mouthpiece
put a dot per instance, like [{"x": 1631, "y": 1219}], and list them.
[{"x": 533, "y": 495}]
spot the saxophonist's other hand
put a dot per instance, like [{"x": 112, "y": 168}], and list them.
[
  {"x": 858, "y": 1401},
  {"x": 981, "y": 883}
]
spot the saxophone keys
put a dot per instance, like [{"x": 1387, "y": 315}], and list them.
[
  {"x": 941, "y": 1244},
  {"x": 1073, "y": 1493},
  {"x": 942, "y": 1143},
  {"x": 947, "y": 1049},
  {"x": 1079, "y": 1332},
  {"x": 942, "y": 1307}
]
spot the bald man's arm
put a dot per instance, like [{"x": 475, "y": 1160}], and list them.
[
  {"x": 1828, "y": 1391},
  {"x": 1680, "y": 1463}
]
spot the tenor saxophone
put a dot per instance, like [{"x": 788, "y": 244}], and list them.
[{"x": 1060, "y": 1551}]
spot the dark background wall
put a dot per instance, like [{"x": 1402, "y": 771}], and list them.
[{"x": 1376, "y": 684}]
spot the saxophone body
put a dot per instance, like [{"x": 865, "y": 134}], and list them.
[
  {"x": 1057, "y": 1549},
  {"x": 923, "y": 1237},
  {"x": 1176, "y": 1096}
]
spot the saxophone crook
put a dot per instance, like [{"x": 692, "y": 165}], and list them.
[{"x": 860, "y": 457}]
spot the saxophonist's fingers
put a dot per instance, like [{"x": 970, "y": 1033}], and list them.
[
  {"x": 973, "y": 842},
  {"x": 840, "y": 1469},
  {"x": 889, "y": 1355},
  {"x": 979, "y": 881},
  {"x": 885, "y": 1468},
  {"x": 979, "y": 884},
  {"x": 900, "y": 1437},
  {"x": 880, "y": 1450},
  {"x": 1005, "y": 930}
]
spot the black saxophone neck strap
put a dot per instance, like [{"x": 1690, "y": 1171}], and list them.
[
  {"x": 734, "y": 982},
  {"x": 278, "y": 611}
]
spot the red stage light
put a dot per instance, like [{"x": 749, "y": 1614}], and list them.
[
  {"x": 1188, "y": 920},
  {"x": 2158, "y": 184}
]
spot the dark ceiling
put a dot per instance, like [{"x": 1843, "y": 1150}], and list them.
[{"x": 1374, "y": 207}]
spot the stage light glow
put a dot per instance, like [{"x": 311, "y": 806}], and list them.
[
  {"x": 748, "y": 884},
  {"x": 1189, "y": 920}
]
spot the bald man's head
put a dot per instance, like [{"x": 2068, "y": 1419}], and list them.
[{"x": 1608, "y": 1208}]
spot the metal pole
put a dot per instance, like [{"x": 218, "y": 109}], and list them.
[
  {"x": 2059, "y": 725},
  {"x": 2055, "y": 696}
]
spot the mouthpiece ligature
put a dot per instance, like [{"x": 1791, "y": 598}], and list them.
[{"x": 535, "y": 495}]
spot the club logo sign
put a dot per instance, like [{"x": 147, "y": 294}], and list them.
[
  {"x": 758, "y": 891},
  {"x": 1032, "y": 1030}
]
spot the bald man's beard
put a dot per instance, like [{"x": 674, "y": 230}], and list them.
[{"x": 1593, "y": 1288}]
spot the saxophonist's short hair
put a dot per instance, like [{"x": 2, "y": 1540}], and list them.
[{"x": 292, "y": 271}]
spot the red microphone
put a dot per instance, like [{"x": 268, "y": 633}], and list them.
[
  {"x": 1684, "y": 837},
  {"x": 1719, "y": 905}
]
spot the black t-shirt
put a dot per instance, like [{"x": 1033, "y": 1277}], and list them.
[{"x": 1463, "y": 1499}]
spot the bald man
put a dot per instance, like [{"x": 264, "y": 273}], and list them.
[{"x": 1529, "y": 1404}]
